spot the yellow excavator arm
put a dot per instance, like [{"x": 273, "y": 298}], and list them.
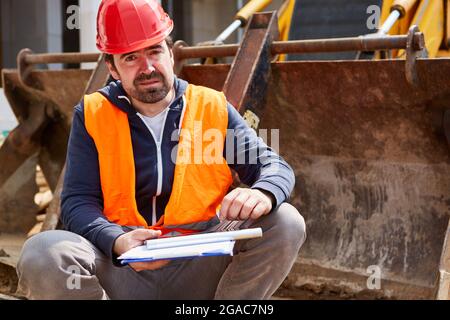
[
  {"x": 285, "y": 14},
  {"x": 397, "y": 16},
  {"x": 241, "y": 18},
  {"x": 430, "y": 15}
]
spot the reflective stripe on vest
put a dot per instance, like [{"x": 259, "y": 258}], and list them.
[{"x": 201, "y": 178}]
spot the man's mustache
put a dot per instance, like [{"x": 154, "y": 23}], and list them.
[{"x": 146, "y": 77}]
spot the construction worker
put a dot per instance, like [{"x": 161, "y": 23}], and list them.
[{"x": 132, "y": 174}]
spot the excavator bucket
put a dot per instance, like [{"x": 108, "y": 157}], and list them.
[
  {"x": 372, "y": 169},
  {"x": 44, "y": 117},
  {"x": 372, "y": 163},
  {"x": 368, "y": 141},
  {"x": 43, "y": 102}
]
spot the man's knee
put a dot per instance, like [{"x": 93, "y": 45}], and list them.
[
  {"x": 36, "y": 255},
  {"x": 291, "y": 224},
  {"x": 48, "y": 253},
  {"x": 47, "y": 246}
]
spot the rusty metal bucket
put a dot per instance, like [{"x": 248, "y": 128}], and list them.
[
  {"x": 43, "y": 102},
  {"x": 373, "y": 173},
  {"x": 41, "y": 137},
  {"x": 367, "y": 141}
]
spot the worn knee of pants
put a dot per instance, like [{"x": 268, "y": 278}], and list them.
[
  {"x": 49, "y": 266},
  {"x": 63, "y": 265},
  {"x": 261, "y": 264}
]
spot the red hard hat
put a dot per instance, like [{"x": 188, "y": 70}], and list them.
[{"x": 130, "y": 25}]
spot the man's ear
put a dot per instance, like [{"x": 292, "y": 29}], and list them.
[
  {"x": 172, "y": 58},
  {"x": 112, "y": 70}
]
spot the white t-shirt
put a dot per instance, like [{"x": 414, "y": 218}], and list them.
[{"x": 156, "y": 123}]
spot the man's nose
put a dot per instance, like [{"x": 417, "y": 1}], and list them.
[{"x": 147, "y": 65}]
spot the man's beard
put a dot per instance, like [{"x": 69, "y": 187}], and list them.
[{"x": 150, "y": 95}]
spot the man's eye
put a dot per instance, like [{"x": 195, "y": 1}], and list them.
[
  {"x": 155, "y": 53},
  {"x": 130, "y": 58}
]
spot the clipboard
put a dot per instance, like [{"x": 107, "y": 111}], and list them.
[
  {"x": 142, "y": 254},
  {"x": 190, "y": 246}
]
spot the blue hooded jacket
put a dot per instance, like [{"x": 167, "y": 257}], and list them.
[{"x": 82, "y": 201}]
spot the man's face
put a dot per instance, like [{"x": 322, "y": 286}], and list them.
[{"x": 146, "y": 75}]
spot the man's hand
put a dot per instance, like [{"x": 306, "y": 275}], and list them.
[
  {"x": 136, "y": 238},
  {"x": 244, "y": 203}
]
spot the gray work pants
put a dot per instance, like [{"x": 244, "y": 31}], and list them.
[{"x": 63, "y": 265}]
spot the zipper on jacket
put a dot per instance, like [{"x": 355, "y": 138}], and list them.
[{"x": 159, "y": 162}]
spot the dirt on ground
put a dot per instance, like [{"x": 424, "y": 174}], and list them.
[{"x": 8, "y": 279}]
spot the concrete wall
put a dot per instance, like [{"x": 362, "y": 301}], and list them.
[
  {"x": 33, "y": 24},
  {"x": 211, "y": 17},
  {"x": 88, "y": 28},
  {"x": 22, "y": 28},
  {"x": 54, "y": 28}
]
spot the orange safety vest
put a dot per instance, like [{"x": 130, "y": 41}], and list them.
[{"x": 198, "y": 188}]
